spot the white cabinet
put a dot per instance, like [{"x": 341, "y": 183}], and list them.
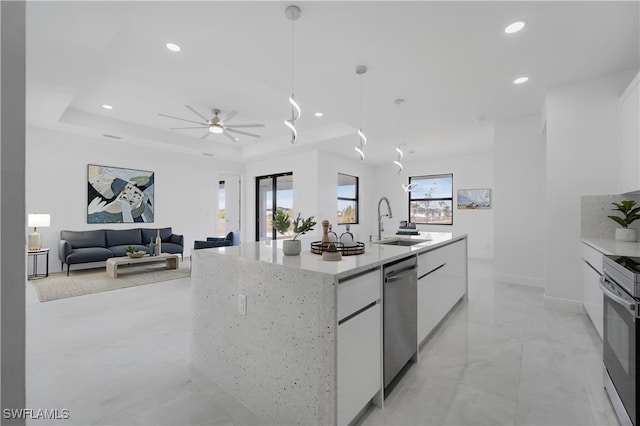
[
  {"x": 591, "y": 293},
  {"x": 442, "y": 281},
  {"x": 359, "y": 344},
  {"x": 630, "y": 138}
]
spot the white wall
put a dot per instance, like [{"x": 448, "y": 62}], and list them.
[
  {"x": 582, "y": 159},
  {"x": 186, "y": 186},
  {"x": 519, "y": 195},
  {"x": 473, "y": 171}
]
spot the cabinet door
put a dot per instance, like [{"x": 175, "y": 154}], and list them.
[
  {"x": 442, "y": 286},
  {"x": 359, "y": 362},
  {"x": 592, "y": 295},
  {"x": 630, "y": 138}
]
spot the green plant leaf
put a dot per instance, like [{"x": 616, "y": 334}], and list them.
[
  {"x": 619, "y": 220},
  {"x": 281, "y": 221}
]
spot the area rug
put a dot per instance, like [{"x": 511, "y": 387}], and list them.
[{"x": 81, "y": 282}]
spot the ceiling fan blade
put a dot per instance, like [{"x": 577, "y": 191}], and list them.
[
  {"x": 205, "y": 135},
  {"x": 183, "y": 119},
  {"x": 230, "y": 137},
  {"x": 233, "y": 126},
  {"x": 228, "y": 116},
  {"x": 196, "y": 113},
  {"x": 180, "y": 128},
  {"x": 243, "y": 133}
]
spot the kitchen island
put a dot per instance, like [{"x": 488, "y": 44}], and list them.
[{"x": 298, "y": 340}]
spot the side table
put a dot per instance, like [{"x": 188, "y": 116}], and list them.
[{"x": 35, "y": 254}]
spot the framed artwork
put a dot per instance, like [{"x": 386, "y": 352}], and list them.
[
  {"x": 474, "y": 199},
  {"x": 117, "y": 195}
]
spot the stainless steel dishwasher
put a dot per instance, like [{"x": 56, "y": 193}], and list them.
[{"x": 400, "y": 310}]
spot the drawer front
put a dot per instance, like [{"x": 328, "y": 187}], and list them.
[
  {"x": 593, "y": 257},
  {"x": 430, "y": 260},
  {"x": 356, "y": 293}
]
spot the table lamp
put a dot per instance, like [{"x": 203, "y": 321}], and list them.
[{"x": 37, "y": 220}]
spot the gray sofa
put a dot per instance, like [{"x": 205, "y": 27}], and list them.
[
  {"x": 77, "y": 247},
  {"x": 231, "y": 239}
]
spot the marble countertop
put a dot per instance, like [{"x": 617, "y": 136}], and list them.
[
  {"x": 612, "y": 247},
  {"x": 375, "y": 254}
]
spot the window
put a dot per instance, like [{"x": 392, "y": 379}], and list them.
[
  {"x": 273, "y": 192},
  {"x": 431, "y": 199},
  {"x": 347, "y": 199}
]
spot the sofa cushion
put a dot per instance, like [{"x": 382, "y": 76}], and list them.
[
  {"x": 84, "y": 239},
  {"x": 121, "y": 250},
  {"x": 171, "y": 248},
  {"x": 120, "y": 237},
  {"x": 149, "y": 234},
  {"x": 91, "y": 254}
]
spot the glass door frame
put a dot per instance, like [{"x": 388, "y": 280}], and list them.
[{"x": 274, "y": 200}]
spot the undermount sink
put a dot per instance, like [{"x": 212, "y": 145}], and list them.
[{"x": 399, "y": 242}]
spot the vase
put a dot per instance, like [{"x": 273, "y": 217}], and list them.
[
  {"x": 626, "y": 234},
  {"x": 332, "y": 256},
  {"x": 158, "y": 248},
  {"x": 291, "y": 247}
]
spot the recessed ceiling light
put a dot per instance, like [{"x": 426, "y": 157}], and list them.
[
  {"x": 173, "y": 47},
  {"x": 318, "y": 114},
  {"x": 515, "y": 27},
  {"x": 520, "y": 80},
  {"x": 105, "y": 106}
]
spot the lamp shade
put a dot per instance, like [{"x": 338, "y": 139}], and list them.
[{"x": 36, "y": 220}]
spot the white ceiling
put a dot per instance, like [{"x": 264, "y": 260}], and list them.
[{"x": 450, "y": 61}]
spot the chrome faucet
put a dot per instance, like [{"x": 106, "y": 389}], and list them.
[{"x": 389, "y": 215}]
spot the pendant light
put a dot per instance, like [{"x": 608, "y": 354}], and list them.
[
  {"x": 360, "y": 70},
  {"x": 397, "y": 162},
  {"x": 292, "y": 13}
]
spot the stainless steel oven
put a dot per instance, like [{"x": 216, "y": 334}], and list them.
[{"x": 621, "y": 286}]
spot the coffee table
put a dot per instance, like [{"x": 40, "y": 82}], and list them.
[{"x": 171, "y": 261}]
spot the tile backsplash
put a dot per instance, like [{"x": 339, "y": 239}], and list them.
[{"x": 594, "y": 211}]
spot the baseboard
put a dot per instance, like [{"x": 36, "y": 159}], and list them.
[
  {"x": 565, "y": 305},
  {"x": 519, "y": 279}
]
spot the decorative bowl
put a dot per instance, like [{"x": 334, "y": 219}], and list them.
[{"x": 136, "y": 254}]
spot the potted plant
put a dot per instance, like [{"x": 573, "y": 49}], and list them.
[
  {"x": 630, "y": 213},
  {"x": 282, "y": 221}
]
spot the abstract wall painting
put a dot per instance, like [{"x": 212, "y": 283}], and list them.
[
  {"x": 474, "y": 199},
  {"x": 117, "y": 195}
]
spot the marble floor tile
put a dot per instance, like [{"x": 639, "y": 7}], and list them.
[{"x": 500, "y": 358}]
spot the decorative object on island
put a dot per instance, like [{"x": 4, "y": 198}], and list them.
[
  {"x": 318, "y": 247},
  {"x": 474, "y": 199},
  {"x": 132, "y": 252},
  {"x": 332, "y": 253},
  {"x": 630, "y": 215},
  {"x": 325, "y": 231},
  {"x": 37, "y": 220},
  {"x": 117, "y": 195},
  {"x": 282, "y": 222}
]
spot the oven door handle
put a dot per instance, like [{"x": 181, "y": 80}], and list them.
[{"x": 619, "y": 300}]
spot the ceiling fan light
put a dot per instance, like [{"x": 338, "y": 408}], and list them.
[{"x": 214, "y": 128}]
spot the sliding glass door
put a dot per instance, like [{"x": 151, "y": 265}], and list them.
[{"x": 273, "y": 192}]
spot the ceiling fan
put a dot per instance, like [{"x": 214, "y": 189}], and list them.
[{"x": 216, "y": 124}]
